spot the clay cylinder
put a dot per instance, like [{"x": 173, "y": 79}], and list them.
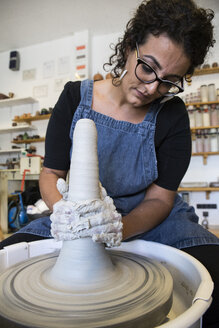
[{"x": 84, "y": 169}]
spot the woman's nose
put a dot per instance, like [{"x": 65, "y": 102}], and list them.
[{"x": 151, "y": 87}]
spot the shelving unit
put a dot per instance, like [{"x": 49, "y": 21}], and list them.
[
  {"x": 17, "y": 101},
  {"x": 205, "y": 71},
  {"x": 33, "y": 118},
  {"x": 207, "y": 190},
  {"x": 202, "y": 103},
  {"x": 28, "y": 141},
  {"x": 205, "y": 127},
  {"x": 205, "y": 155},
  {"x": 198, "y": 104},
  {"x": 5, "y": 151},
  {"x": 18, "y": 128}
]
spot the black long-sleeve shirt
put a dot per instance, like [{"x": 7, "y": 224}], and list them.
[{"x": 172, "y": 137}]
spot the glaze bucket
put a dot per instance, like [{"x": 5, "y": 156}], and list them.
[{"x": 192, "y": 283}]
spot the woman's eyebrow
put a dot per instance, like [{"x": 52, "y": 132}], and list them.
[
  {"x": 174, "y": 75},
  {"x": 154, "y": 60},
  {"x": 160, "y": 67}
]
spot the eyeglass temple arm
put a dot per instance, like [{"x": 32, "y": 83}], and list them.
[{"x": 136, "y": 51}]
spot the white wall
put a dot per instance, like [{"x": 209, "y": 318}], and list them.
[{"x": 36, "y": 56}]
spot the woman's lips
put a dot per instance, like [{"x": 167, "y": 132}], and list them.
[{"x": 140, "y": 94}]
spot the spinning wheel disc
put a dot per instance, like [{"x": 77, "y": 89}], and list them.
[{"x": 139, "y": 294}]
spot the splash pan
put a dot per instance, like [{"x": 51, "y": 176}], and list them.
[{"x": 142, "y": 281}]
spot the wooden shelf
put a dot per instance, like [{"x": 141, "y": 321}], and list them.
[
  {"x": 28, "y": 141},
  {"x": 12, "y": 129},
  {"x": 205, "y": 127},
  {"x": 205, "y": 155},
  {"x": 202, "y": 103},
  {"x": 198, "y": 189},
  {"x": 17, "y": 101},
  {"x": 205, "y": 71},
  {"x": 33, "y": 118},
  {"x": 5, "y": 151},
  {"x": 207, "y": 190}
]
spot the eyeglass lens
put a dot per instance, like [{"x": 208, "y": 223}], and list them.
[{"x": 146, "y": 74}]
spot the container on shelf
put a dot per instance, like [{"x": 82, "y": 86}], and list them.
[
  {"x": 206, "y": 116},
  {"x": 217, "y": 94},
  {"x": 191, "y": 112},
  {"x": 198, "y": 117},
  {"x": 199, "y": 142},
  {"x": 187, "y": 99},
  {"x": 206, "y": 142},
  {"x": 217, "y": 110},
  {"x": 217, "y": 140},
  {"x": 211, "y": 92},
  {"x": 204, "y": 93},
  {"x": 214, "y": 119},
  {"x": 198, "y": 95},
  {"x": 214, "y": 140}
]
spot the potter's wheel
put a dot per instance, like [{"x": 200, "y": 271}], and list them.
[
  {"x": 138, "y": 293},
  {"x": 84, "y": 285}
]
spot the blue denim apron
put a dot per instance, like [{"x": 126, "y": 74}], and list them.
[{"x": 126, "y": 154}]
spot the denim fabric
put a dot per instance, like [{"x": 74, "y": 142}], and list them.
[
  {"x": 127, "y": 166},
  {"x": 126, "y": 152},
  {"x": 180, "y": 229}
]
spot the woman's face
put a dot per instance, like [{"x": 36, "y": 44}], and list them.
[{"x": 165, "y": 57}]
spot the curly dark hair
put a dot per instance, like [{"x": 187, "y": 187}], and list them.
[{"x": 181, "y": 20}]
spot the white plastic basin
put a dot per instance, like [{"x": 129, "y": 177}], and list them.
[{"x": 193, "y": 285}]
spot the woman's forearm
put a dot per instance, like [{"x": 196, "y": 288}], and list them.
[
  {"x": 48, "y": 189},
  {"x": 143, "y": 218},
  {"x": 149, "y": 213}
]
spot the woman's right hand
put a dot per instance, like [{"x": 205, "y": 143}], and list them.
[{"x": 96, "y": 218}]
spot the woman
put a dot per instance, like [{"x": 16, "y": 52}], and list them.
[{"x": 144, "y": 142}]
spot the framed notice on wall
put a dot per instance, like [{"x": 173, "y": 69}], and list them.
[{"x": 81, "y": 51}]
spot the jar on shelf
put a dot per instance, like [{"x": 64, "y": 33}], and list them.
[
  {"x": 191, "y": 112},
  {"x": 198, "y": 95},
  {"x": 217, "y": 109},
  {"x": 214, "y": 140},
  {"x": 206, "y": 141},
  {"x": 217, "y": 94},
  {"x": 199, "y": 142},
  {"x": 198, "y": 117},
  {"x": 211, "y": 92},
  {"x": 206, "y": 116},
  {"x": 187, "y": 99},
  {"x": 214, "y": 119},
  {"x": 204, "y": 93},
  {"x": 217, "y": 139}
]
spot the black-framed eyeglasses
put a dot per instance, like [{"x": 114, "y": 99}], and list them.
[{"x": 146, "y": 74}]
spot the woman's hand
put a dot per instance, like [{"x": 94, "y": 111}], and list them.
[
  {"x": 155, "y": 207},
  {"x": 97, "y": 218}
]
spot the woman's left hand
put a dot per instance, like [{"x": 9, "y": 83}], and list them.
[{"x": 97, "y": 218}]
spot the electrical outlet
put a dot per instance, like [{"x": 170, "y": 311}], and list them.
[{"x": 205, "y": 206}]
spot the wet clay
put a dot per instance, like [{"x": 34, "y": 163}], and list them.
[{"x": 86, "y": 285}]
